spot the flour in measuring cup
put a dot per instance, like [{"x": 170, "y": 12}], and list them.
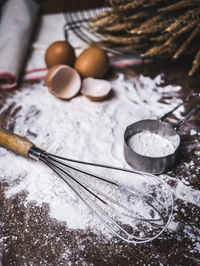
[{"x": 151, "y": 144}]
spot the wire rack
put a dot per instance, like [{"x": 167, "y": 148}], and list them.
[{"x": 79, "y": 23}]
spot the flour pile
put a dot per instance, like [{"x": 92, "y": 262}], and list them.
[
  {"x": 80, "y": 129},
  {"x": 152, "y": 144}
]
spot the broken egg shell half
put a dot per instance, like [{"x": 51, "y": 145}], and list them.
[
  {"x": 63, "y": 81},
  {"x": 96, "y": 89}
]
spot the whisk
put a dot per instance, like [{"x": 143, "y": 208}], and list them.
[{"x": 134, "y": 206}]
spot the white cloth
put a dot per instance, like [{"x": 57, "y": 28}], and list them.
[{"x": 17, "y": 22}]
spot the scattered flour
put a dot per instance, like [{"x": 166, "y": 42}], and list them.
[
  {"x": 193, "y": 132},
  {"x": 81, "y": 129}
]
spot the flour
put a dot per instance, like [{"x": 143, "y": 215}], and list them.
[
  {"x": 80, "y": 129},
  {"x": 151, "y": 144}
]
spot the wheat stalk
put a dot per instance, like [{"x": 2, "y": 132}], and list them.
[{"x": 161, "y": 28}]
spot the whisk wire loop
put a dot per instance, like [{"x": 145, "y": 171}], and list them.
[
  {"x": 94, "y": 208},
  {"x": 141, "y": 194},
  {"x": 109, "y": 208}
]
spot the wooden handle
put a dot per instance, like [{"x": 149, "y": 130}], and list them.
[{"x": 14, "y": 142}]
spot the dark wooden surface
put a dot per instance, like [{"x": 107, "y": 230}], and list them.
[{"x": 30, "y": 235}]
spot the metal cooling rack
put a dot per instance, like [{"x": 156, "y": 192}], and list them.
[{"x": 79, "y": 23}]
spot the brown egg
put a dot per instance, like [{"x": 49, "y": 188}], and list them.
[
  {"x": 60, "y": 52},
  {"x": 63, "y": 81},
  {"x": 92, "y": 62}
]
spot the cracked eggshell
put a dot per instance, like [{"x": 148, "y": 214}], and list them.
[
  {"x": 63, "y": 81},
  {"x": 95, "y": 89}
]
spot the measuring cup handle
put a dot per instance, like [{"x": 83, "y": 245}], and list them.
[
  {"x": 179, "y": 105},
  {"x": 182, "y": 121}
]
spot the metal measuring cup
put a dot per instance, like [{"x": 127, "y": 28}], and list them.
[{"x": 156, "y": 165}]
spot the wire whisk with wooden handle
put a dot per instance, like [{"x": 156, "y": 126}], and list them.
[{"x": 134, "y": 206}]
